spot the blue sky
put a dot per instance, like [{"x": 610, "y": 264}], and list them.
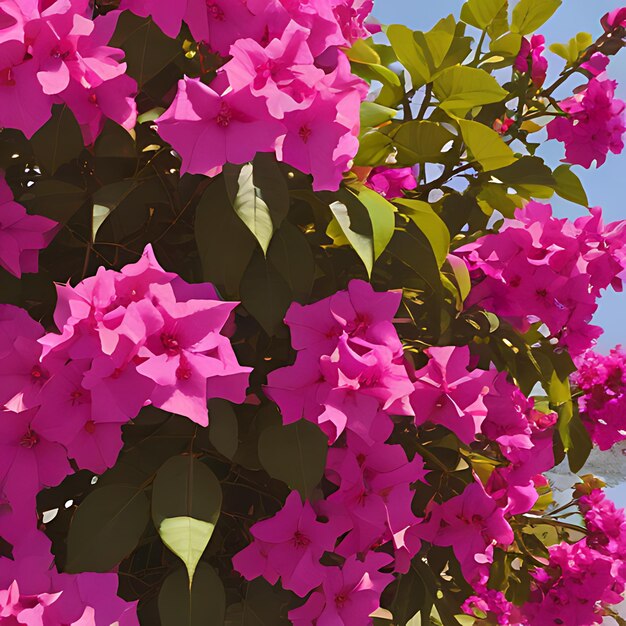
[{"x": 606, "y": 186}]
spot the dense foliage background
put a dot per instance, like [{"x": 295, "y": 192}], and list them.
[{"x": 334, "y": 237}]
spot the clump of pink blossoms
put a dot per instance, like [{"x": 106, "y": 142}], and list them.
[
  {"x": 594, "y": 126},
  {"x": 22, "y": 236},
  {"x": 392, "y": 182},
  {"x": 602, "y": 379},
  {"x": 540, "y": 268},
  {"x": 530, "y": 58},
  {"x": 57, "y": 54},
  {"x": 287, "y": 87}
]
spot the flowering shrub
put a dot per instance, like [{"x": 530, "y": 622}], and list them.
[{"x": 288, "y": 332}]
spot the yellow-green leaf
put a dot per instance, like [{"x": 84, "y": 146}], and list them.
[
  {"x": 381, "y": 213},
  {"x": 461, "y": 274},
  {"x": 568, "y": 186},
  {"x": 529, "y": 15},
  {"x": 360, "y": 52},
  {"x": 373, "y": 115},
  {"x": 408, "y": 53},
  {"x": 187, "y": 538},
  {"x": 346, "y": 220},
  {"x": 435, "y": 229},
  {"x": 486, "y": 145},
  {"x": 461, "y": 88},
  {"x": 480, "y": 13}
]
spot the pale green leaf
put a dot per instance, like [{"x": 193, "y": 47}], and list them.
[
  {"x": 529, "y": 15},
  {"x": 480, "y": 13},
  {"x": 461, "y": 274},
  {"x": 373, "y": 114},
  {"x": 381, "y": 213},
  {"x": 486, "y": 145},
  {"x": 408, "y": 53},
  {"x": 187, "y": 538},
  {"x": 461, "y": 88},
  {"x": 433, "y": 227}
]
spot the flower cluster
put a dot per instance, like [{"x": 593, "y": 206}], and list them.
[
  {"x": 542, "y": 269},
  {"x": 595, "y": 123},
  {"x": 287, "y": 87},
  {"x": 21, "y": 235},
  {"x": 57, "y": 54},
  {"x": 602, "y": 380},
  {"x": 33, "y": 592},
  {"x": 530, "y": 59}
]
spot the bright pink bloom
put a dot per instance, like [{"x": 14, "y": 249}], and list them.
[
  {"x": 236, "y": 125},
  {"x": 290, "y": 544},
  {"x": 530, "y": 57},
  {"x": 21, "y": 235},
  {"x": 614, "y": 19},
  {"x": 594, "y": 126},
  {"x": 392, "y": 182},
  {"x": 348, "y": 595},
  {"x": 447, "y": 393},
  {"x": 470, "y": 524}
]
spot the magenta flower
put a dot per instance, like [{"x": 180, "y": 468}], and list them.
[
  {"x": 29, "y": 459},
  {"x": 349, "y": 595},
  {"x": 392, "y": 182},
  {"x": 21, "y": 235},
  {"x": 447, "y": 393},
  {"x": 530, "y": 58},
  {"x": 236, "y": 125},
  {"x": 595, "y": 124},
  {"x": 470, "y": 524},
  {"x": 290, "y": 544}
]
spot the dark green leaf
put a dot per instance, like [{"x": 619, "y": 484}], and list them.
[
  {"x": 265, "y": 294},
  {"x": 223, "y": 427},
  {"x": 225, "y": 244},
  {"x": 185, "y": 487},
  {"x": 421, "y": 142},
  {"x": 409, "y": 598},
  {"x": 580, "y": 444},
  {"x": 106, "y": 528},
  {"x": 54, "y": 199},
  {"x": 295, "y": 454},
  {"x": 568, "y": 186},
  {"x": 58, "y": 141},
  {"x": 148, "y": 50},
  {"x": 292, "y": 257},
  {"x": 204, "y": 605},
  {"x": 382, "y": 217},
  {"x": 262, "y": 606}
]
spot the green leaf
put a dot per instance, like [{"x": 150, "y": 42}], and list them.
[
  {"x": 568, "y": 186},
  {"x": 185, "y": 487},
  {"x": 107, "y": 199},
  {"x": 409, "y": 598},
  {"x": 58, "y": 141},
  {"x": 420, "y": 141},
  {"x": 461, "y": 88},
  {"x": 382, "y": 216},
  {"x": 53, "y": 198},
  {"x": 373, "y": 114},
  {"x": 291, "y": 255},
  {"x": 526, "y": 171},
  {"x": 106, "y": 528},
  {"x": 295, "y": 454},
  {"x": 508, "y": 45},
  {"x": 529, "y": 15},
  {"x": 361, "y": 52},
  {"x": 572, "y": 51},
  {"x": 263, "y": 605},
  {"x": 486, "y": 145},
  {"x": 265, "y": 294},
  {"x": 580, "y": 444},
  {"x": 225, "y": 244},
  {"x": 187, "y": 538},
  {"x": 204, "y": 604},
  {"x": 148, "y": 50},
  {"x": 433, "y": 227},
  {"x": 480, "y": 13},
  {"x": 408, "y": 53},
  {"x": 223, "y": 427},
  {"x": 462, "y": 275},
  {"x": 374, "y": 149},
  {"x": 353, "y": 223}
]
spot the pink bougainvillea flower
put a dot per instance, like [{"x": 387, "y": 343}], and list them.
[
  {"x": 349, "y": 595},
  {"x": 392, "y": 182},
  {"x": 283, "y": 72},
  {"x": 293, "y": 541},
  {"x": 469, "y": 523},
  {"x": 29, "y": 460},
  {"x": 236, "y": 125},
  {"x": 21, "y": 235},
  {"x": 530, "y": 58},
  {"x": 595, "y": 124},
  {"x": 447, "y": 393},
  {"x": 614, "y": 19}
]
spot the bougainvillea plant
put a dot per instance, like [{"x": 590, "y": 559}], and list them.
[{"x": 288, "y": 331}]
